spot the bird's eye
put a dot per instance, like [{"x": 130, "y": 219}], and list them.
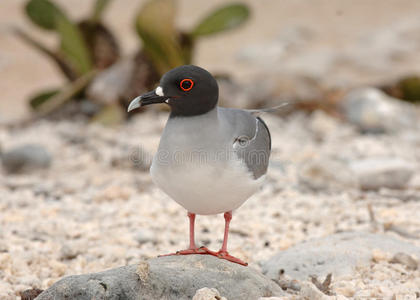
[{"x": 186, "y": 84}]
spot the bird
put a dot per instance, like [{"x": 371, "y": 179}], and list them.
[{"x": 210, "y": 159}]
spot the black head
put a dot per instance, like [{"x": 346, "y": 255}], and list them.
[{"x": 189, "y": 91}]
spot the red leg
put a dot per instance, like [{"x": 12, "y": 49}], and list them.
[
  {"x": 228, "y": 218},
  {"x": 192, "y": 249},
  {"x": 191, "y": 216},
  {"x": 223, "y": 253}
]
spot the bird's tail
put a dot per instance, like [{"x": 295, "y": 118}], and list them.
[{"x": 257, "y": 112}]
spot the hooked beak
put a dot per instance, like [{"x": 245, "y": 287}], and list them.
[{"x": 146, "y": 99}]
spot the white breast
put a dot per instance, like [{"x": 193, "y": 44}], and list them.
[
  {"x": 187, "y": 167},
  {"x": 206, "y": 188}
]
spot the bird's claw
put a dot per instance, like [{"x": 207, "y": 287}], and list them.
[
  {"x": 204, "y": 250},
  {"x": 225, "y": 255},
  {"x": 201, "y": 250}
]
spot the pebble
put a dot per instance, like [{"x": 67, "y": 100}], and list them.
[
  {"x": 345, "y": 288},
  {"x": 376, "y": 173},
  {"x": 68, "y": 252},
  {"x": 379, "y": 255},
  {"x": 144, "y": 236},
  {"x": 372, "y": 111},
  {"x": 406, "y": 260},
  {"x": 26, "y": 158},
  {"x": 208, "y": 294},
  {"x": 310, "y": 292},
  {"x": 326, "y": 174}
]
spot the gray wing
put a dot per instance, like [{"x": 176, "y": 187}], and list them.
[{"x": 250, "y": 139}]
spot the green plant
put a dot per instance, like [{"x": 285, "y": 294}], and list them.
[
  {"x": 84, "y": 48},
  {"x": 87, "y": 47},
  {"x": 168, "y": 47}
]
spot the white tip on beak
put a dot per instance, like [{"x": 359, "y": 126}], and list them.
[
  {"x": 159, "y": 91},
  {"x": 134, "y": 104}
]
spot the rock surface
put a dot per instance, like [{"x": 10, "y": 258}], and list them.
[
  {"x": 326, "y": 174},
  {"x": 338, "y": 254},
  {"x": 26, "y": 157},
  {"x": 375, "y": 173},
  {"x": 172, "y": 277},
  {"x": 373, "y": 111}
]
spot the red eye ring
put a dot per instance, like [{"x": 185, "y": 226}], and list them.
[{"x": 186, "y": 80}]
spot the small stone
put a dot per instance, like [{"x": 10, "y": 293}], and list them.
[
  {"x": 372, "y": 111},
  {"x": 144, "y": 236},
  {"x": 375, "y": 173},
  {"x": 30, "y": 294},
  {"x": 67, "y": 252},
  {"x": 345, "y": 288},
  {"x": 406, "y": 260},
  {"x": 326, "y": 174},
  {"x": 207, "y": 294},
  {"x": 309, "y": 291},
  {"x": 25, "y": 158},
  {"x": 378, "y": 255},
  {"x": 143, "y": 270}
]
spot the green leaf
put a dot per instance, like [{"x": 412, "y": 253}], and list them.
[
  {"x": 98, "y": 9},
  {"x": 73, "y": 46},
  {"x": 410, "y": 87},
  {"x": 58, "y": 59},
  {"x": 222, "y": 19},
  {"x": 155, "y": 25},
  {"x": 43, "y": 13},
  {"x": 65, "y": 94},
  {"x": 42, "y": 97}
]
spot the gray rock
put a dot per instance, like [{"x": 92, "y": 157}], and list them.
[
  {"x": 25, "y": 158},
  {"x": 375, "y": 173},
  {"x": 373, "y": 111},
  {"x": 338, "y": 254},
  {"x": 406, "y": 260},
  {"x": 326, "y": 174},
  {"x": 171, "y": 277},
  {"x": 144, "y": 236}
]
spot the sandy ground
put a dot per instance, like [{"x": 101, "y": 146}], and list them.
[
  {"x": 338, "y": 42},
  {"x": 90, "y": 211}
]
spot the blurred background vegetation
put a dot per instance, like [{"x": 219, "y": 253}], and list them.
[
  {"x": 88, "y": 47},
  {"x": 101, "y": 77}
]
